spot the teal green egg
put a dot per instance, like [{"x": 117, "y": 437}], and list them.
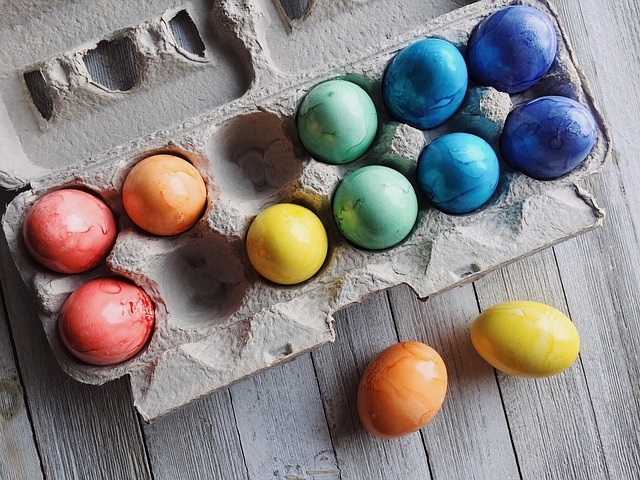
[
  {"x": 375, "y": 207},
  {"x": 337, "y": 122}
]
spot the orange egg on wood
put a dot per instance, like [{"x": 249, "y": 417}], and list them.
[
  {"x": 402, "y": 389},
  {"x": 164, "y": 194}
]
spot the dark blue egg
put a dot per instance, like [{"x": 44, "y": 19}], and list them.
[
  {"x": 548, "y": 137},
  {"x": 458, "y": 173},
  {"x": 425, "y": 83},
  {"x": 512, "y": 49}
]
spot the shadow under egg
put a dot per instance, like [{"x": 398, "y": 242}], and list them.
[
  {"x": 203, "y": 283},
  {"x": 253, "y": 156}
]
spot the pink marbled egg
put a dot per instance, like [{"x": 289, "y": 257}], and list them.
[
  {"x": 69, "y": 231},
  {"x": 106, "y": 321}
]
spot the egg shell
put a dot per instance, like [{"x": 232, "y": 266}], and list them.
[
  {"x": 512, "y": 48},
  {"x": 69, "y": 231},
  {"x": 164, "y": 194},
  {"x": 106, "y": 321},
  {"x": 375, "y": 207},
  {"x": 425, "y": 83},
  {"x": 548, "y": 137},
  {"x": 402, "y": 389},
  {"x": 337, "y": 121},
  {"x": 527, "y": 339},
  {"x": 458, "y": 173},
  {"x": 287, "y": 243}
]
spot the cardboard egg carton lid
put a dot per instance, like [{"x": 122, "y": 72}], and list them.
[
  {"x": 79, "y": 78},
  {"x": 83, "y": 101}
]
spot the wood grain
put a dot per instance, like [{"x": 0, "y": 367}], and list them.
[
  {"x": 472, "y": 423},
  {"x": 362, "y": 331},
  {"x": 19, "y": 458},
  {"x": 282, "y": 424},
  {"x": 551, "y": 420},
  {"x": 600, "y": 272},
  {"x": 199, "y": 441}
]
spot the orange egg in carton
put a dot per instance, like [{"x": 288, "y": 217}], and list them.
[{"x": 207, "y": 98}]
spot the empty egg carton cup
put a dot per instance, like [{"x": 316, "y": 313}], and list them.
[{"x": 217, "y": 320}]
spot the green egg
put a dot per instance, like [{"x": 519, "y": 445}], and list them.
[
  {"x": 375, "y": 207},
  {"x": 337, "y": 122}
]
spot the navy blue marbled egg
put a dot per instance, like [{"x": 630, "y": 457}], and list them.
[
  {"x": 512, "y": 48},
  {"x": 548, "y": 137},
  {"x": 458, "y": 173},
  {"x": 425, "y": 83}
]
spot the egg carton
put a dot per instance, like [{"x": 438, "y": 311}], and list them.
[{"x": 217, "y": 320}]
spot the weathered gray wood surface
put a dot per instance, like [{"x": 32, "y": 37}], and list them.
[
  {"x": 299, "y": 420},
  {"x": 19, "y": 454}
]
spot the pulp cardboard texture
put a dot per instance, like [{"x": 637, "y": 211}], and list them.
[{"x": 220, "y": 84}]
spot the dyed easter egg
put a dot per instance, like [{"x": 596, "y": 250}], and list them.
[
  {"x": 164, "y": 194},
  {"x": 337, "y": 121},
  {"x": 401, "y": 390},
  {"x": 106, "y": 321},
  {"x": 512, "y": 48},
  {"x": 375, "y": 207},
  {"x": 548, "y": 137},
  {"x": 458, "y": 173},
  {"x": 69, "y": 231},
  {"x": 527, "y": 339},
  {"x": 425, "y": 83},
  {"x": 287, "y": 243}
]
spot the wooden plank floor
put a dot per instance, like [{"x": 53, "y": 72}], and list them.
[{"x": 298, "y": 421}]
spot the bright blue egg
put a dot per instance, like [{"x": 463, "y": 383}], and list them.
[
  {"x": 548, "y": 137},
  {"x": 512, "y": 49},
  {"x": 425, "y": 83},
  {"x": 458, "y": 173}
]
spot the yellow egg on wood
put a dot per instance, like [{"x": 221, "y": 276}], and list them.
[{"x": 527, "y": 339}]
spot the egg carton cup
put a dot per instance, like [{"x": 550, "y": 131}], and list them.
[{"x": 217, "y": 320}]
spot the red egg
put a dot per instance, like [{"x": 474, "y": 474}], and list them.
[
  {"x": 106, "y": 321},
  {"x": 69, "y": 231},
  {"x": 402, "y": 389}
]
